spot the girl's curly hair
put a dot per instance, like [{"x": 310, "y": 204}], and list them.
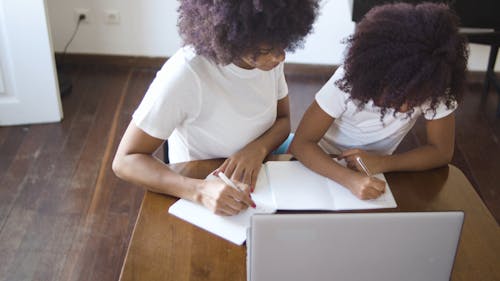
[
  {"x": 224, "y": 30},
  {"x": 406, "y": 54}
]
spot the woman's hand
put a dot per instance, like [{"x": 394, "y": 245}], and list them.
[
  {"x": 244, "y": 166},
  {"x": 223, "y": 199},
  {"x": 372, "y": 161}
]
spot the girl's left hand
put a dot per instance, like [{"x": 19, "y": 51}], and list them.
[
  {"x": 371, "y": 160},
  {"x": 244, "y": 166}
]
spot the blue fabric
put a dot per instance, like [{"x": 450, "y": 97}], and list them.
[{"x": 283, "y": 148}]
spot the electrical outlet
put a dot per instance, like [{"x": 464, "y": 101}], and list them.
[
  {"x": 112, "y": 17},
  {"x": 85, "y": 13}
]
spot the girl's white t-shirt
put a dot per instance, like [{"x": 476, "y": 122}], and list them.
[
  {"x": 206, "y": 110},
  {"x": 363, "y": 129}
]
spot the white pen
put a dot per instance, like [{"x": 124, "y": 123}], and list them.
[
  {"x": 363, "y": 166},
  {"x": 229, "y": 182}
]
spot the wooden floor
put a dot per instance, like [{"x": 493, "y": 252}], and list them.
[{"x": 65, "y": 216}]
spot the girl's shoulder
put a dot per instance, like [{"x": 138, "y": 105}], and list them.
[
  {"x": 331, "y": 98},
  {"x": 438, "y": 111},
  {"x": 330, "y": 90}
]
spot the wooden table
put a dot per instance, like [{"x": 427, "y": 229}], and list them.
[{"x": 164, "y": 247}]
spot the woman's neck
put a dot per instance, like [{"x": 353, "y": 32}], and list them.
[{"x": 242, "y": 63}]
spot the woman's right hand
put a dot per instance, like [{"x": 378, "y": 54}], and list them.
[
  {"x": 365, "y": 187},
  {"x": 223, "y": 199}
]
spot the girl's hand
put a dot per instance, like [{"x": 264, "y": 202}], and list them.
[
  {"x": 223, "y": 199},
  {"x": 244, "y": 166},
  {"x": 371, "y": 160},
  {"x": 365, "y": 187}
]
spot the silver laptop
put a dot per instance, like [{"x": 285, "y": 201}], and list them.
[{"x": 416, "y": 246}]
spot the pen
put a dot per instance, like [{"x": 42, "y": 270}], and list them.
[
  {"x": 363, "y": 166},
  {"x": 229, "y": 182}
]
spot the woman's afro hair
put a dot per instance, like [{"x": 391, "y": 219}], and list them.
[
  {"x": 406, "y": 54},
  {"x": 223, "y": 30}
]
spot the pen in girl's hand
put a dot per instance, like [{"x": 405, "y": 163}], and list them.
[{"x": 363, "y": 166}]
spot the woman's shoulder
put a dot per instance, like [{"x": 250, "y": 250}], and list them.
[
  {"x": 184, "y": 65},
  {"x": 188, "y": 57},
  {"x": 184, "y": 58}
]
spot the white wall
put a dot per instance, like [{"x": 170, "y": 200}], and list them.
[
  {"x": 148, "y": 28},
  {"x": 2, "y": 87},
  {"x": 323, "y": 45}
]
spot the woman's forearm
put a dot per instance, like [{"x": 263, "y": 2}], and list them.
[{"x": 153, "y": 174}]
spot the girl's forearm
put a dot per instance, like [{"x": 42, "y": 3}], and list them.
[
  {"x": 313, "y": 157},
  {"x": 418, "y": 159}
]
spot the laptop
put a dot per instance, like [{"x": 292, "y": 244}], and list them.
[{"x": 415, "y": 246}]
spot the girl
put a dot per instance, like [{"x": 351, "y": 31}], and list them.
[
  {"x": 403, "y": 62},
  {"x": 223, "y": 95}
]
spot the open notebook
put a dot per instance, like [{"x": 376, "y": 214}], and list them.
[{"x": 281, "y": 185}]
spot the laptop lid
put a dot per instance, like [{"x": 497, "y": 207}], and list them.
[{"x": 353, "y": 247}]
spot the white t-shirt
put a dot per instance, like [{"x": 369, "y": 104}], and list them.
[
  {"x": 208, "y": 110},
  {"x": 363, "y": 129}
]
